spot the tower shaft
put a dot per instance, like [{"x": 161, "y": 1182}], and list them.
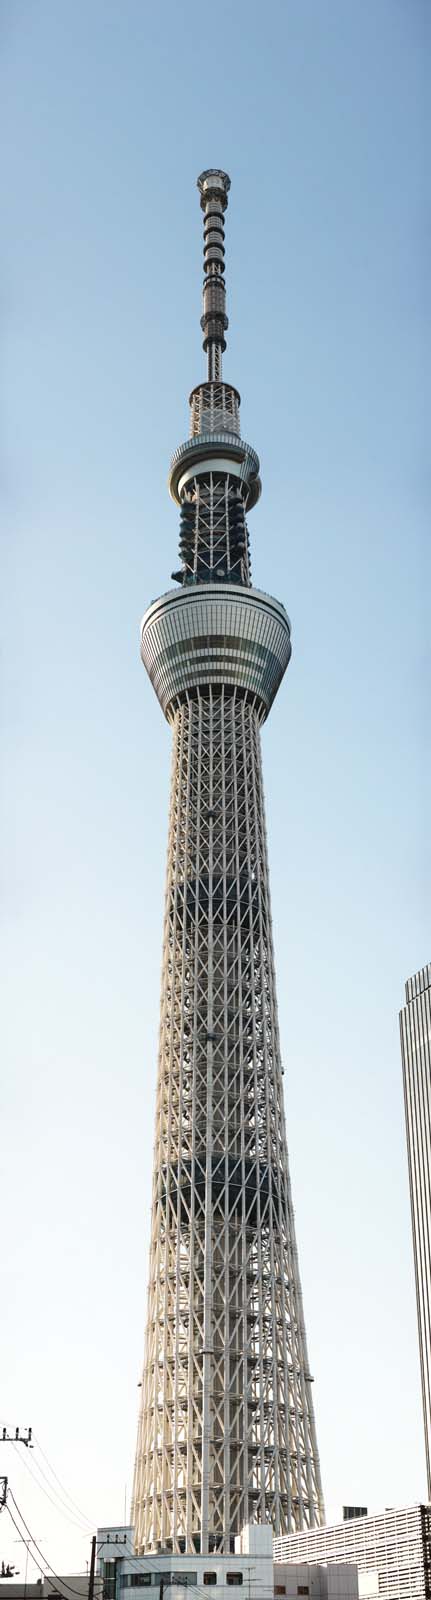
[{"x": 226, "y": 1430}]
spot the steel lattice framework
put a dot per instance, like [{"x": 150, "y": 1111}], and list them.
[{"x": 226, "y": 1431}]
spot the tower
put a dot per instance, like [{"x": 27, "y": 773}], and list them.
[
  {"x": 415, "y": 1028},
  {"x": 226, "y": 1431}
]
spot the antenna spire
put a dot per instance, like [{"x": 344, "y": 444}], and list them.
[{"x": 214, "y": 187}]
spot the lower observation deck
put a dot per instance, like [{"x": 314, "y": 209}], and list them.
[{"x": 215, "y": 634}]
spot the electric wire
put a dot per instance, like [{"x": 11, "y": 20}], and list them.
[
  {"x": 58, "y": 1579},
  {"x": 45, "y": 1575},
  {"x": 80, "y": 1520},
  {"x": 265, "y": 1591},
  {"x": 65, "y": 1496},
  {"x": 57, "y": 1507},
  {"x": 136, "y": 1562},
  {"x": 62, "y": 1486}
]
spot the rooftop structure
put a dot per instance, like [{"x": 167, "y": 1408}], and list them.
[
  {"x": 392, "y": 1552},
  {"x": 57, "y": 1587}
]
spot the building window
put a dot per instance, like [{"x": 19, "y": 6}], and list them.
[
  {"x": 233, "y": 1577},
  {"x": 138, "y": 1580},
  {"x": 303, "y": 1588},
  {"x": 210, "y": 1577},
  {"x": 280, "y": 1588}
]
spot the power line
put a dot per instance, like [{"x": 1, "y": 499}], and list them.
[
  {"x": 33, "y": 1441},
  {"x": 33, "y": 1557},
  {"x": 64, "y": 1513},
  {"x": 62, "y": 1486},
  {"x": 265, "y": 1591},
  {"x": 16, "y": 1438},
  {"x": 136, "y": 1562},
  {"x": 55, "y": 1575},
  {"x": 64, "y": 1497}
]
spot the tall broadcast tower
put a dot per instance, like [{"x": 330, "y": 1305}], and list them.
[{"x": 226, "y": 1431}]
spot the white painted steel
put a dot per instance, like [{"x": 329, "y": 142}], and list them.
[{"x": 226, "y": 1430}]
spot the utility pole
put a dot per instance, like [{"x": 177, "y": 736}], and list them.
[
  {"x": 27, "y": 1543},
  {"x": 92, "y": 1569}
]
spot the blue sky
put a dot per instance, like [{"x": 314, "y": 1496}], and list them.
[{"x": 317, "y": 110}]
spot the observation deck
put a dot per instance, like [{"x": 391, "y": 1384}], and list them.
[
  {"x": 220, "y": 452},
  {"x": 215, "y": 634}
]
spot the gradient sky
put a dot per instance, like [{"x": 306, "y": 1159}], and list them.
[{"x": 109, "y": 110}]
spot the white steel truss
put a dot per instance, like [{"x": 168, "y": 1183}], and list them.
[{"x": 226, "y": 1431}]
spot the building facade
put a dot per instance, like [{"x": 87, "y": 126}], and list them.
[
  {"x": 392, "y": 1552},
  {"x": 65, "y": 1587},
  {"x": 247, "y": 1571},
  {"x": 226, "y": 1431},
  {"x": 250, "y": 1572},
  {"x": 320, "y": 1581},
  {"x": 415, "y": 1028}
]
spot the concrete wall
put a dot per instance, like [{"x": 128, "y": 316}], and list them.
[
  {"x": 252, "y": 1563},
  {"x": 318, "y": 1581},
  {"x": 69, "y": 1587}
]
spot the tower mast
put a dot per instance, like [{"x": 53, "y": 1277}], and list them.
[
  {"x": 214, "y": 189},
  {"x": 226, "y": 1430}
]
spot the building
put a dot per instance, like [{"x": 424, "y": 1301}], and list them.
[
  {"x": 320, "y": 1581},
  {"x": 249, "y": 1568},
  {"x": 392, "y": 1552},
  {"x": 51, "y": 1588},
  {"x": 226, "y": 1432},
  {"x": 415, "y": 1027}
]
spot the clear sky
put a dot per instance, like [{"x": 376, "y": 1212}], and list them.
[{"x": 109, "y": 111}]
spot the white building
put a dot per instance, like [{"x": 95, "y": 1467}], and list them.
[
  {"x": 392, "y": 1552},
  {"x": 320, "y": 1582},
  {"x": 249, "y": 1569}
]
